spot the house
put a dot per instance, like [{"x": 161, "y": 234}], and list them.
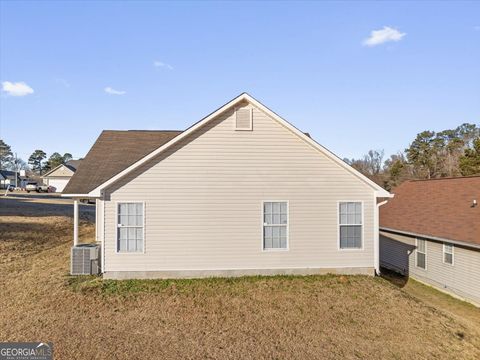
[
  {"x": 59, "y": 176},
  {"x": 430, "y": 231},
  {"x": 240, "y": 192},
  {"x": 9, "y": 178}
]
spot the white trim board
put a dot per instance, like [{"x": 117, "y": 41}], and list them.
[{"x": 379, "y": 191}]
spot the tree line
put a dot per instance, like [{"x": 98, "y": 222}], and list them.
[
  {"x": 38, "y": 162},
  {"x": 448, "y": 153}
]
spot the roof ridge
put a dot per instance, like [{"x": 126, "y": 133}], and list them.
[
  {"x": 446, "y": 178},
  {"x": 140, "y": 130},
  {"x": 155, "y": 130}
]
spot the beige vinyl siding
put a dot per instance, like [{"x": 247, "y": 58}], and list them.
[
  {"x": 62, "y": 171},
  {"x": 99, "y": 219},
  {"x": 203, "y": 202},
  {"x": 395, "y": 254},
  {"x": 462, "y": 278},
  {"x": 58, "y": 183}
]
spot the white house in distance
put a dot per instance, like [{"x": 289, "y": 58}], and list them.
[
  {"x": 59, "y": 176},
  {"x": 8, "y": 178},
  {"x": 240, "y": 192}
]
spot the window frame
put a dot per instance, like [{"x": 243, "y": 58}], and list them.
[
  {"x": 262, "y": 224},
  {"x": 339, "y": 247},
  {"x": 416, "y": 253},
  {"x": 117, "y": 247},
  {"x": 250, "y": 128},
  {"x": 452, "y": 253}
]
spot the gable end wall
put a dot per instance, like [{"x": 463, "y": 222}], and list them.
[{"x": 203, "y": 202}]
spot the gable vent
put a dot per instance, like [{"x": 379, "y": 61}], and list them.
[{"x": 243, "y": 119}]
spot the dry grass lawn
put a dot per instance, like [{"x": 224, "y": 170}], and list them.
[{"x": 318, "y": 317}]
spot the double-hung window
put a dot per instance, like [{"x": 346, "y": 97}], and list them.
[
  {"x": 130, "y": 224},
  {"x": 421, "y": 251},
  {"x": 350, "y": 222},
  {"x": 275, "y": 225},
  {"x": 448, "y": 253}
]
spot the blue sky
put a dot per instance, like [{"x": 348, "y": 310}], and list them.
[{"x": 166, "y": 65}]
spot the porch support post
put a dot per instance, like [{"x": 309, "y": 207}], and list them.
[{"x": 75, "y": 222}]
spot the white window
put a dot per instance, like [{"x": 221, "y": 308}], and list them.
[
  {"x": 448, "y": 253},
  {"x": 421, "y": 260},
  {"x": 130, "y": 225},
  {"x": 350, "y": 223},
  {"x": 275, "y": 225},
  {"x": 243, "y": 119}
]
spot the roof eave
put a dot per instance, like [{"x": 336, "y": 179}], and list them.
[{"x": 430, "y": 237}]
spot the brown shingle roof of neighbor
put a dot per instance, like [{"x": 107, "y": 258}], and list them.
[
  {"x": 113, "y": 152},
  {"x": 441, "y": 208}
]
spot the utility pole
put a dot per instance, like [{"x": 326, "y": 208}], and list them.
[{"x": 16, "y": 171}]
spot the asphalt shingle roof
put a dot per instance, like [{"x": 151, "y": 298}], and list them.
[
  {"x": 113, "y": 152},
  {"x": 439, "y": 208}
]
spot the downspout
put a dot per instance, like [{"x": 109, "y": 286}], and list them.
[
  {"x": 376, "y": 236},
  {"x": 103, "y": 234}
]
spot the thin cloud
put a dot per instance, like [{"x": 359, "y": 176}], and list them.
[
  {"x": 112, "y": 91},
  {"x": 160, "y": 64},
  {"x": 476, "y": 28},
  {"x": 387, "y": 34},
  {"x": 16, "y": 89},
  {"x": 63, "y": 82}
]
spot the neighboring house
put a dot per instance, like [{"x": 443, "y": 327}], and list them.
[
  {"x": 240, "y": 192},
  {"x": 23, "y": 181},
  {"x": 8, "y": 178},
  {"x": 61, "y": 175},
  {"x": 431, "y": 232}
]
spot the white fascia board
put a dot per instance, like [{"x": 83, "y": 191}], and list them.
[
  {"x": 384, "y": 194},
  {"x": 379, "y": 191}
]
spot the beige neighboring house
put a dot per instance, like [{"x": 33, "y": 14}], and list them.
[
  {"x": 61, "y": 175},
  {"x": 430, "y": 231},
  {"x": 240, "y": 192}
]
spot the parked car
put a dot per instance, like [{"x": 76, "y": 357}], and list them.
[
  {"x": 11, "y": 187},
  {"x": 37, "y": 188},
  {"x": 31, "y": 186},
  {"x": 42, "y": 188}
]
